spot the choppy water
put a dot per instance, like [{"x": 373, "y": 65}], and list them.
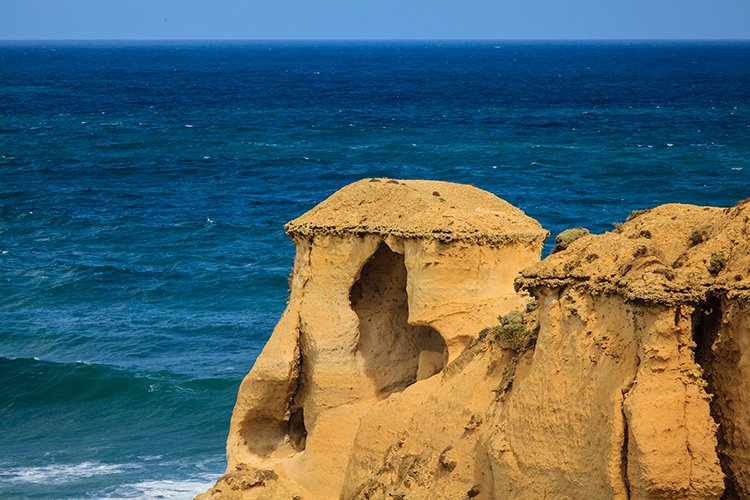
[{"x": 144, "y": 187}]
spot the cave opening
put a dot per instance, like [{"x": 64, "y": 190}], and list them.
[
  {"x": 395, "y": 353},
  {"x": 706, "y": 321},
  {"x": 297, "y": 431}
]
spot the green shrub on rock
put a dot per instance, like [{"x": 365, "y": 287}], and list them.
[
  {"x": 568, "y": 236},
  {"x": 717, "y": 263},
  {"x": 636, "y": 213},
  {"x": 511, "y": 333}
]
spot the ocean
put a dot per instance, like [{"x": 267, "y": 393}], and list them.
[{"x": 144, "y": 188}]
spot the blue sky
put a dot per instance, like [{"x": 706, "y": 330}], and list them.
[{"x": 374, "y": 19}]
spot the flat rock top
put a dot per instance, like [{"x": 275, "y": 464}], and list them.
[
  {"x": 418, "y": 209},
  {"x": 671, "y": 253}
]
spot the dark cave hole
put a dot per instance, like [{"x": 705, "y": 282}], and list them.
[{"x": 396, "y": 354}]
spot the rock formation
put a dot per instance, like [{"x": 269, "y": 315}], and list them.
[
  {"x": 620, "y": 367},
  {"x": 391, "y": 280},
  {"x": 643, "y": 341}
]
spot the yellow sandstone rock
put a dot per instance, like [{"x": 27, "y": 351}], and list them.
[
  {"x": 391, "y": 280},
  {"x": 620, "y": 368}
]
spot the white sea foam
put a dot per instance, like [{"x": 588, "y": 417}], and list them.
[
  {"x": 165, "y": 488},
  {"x": 60, "y": 473}
]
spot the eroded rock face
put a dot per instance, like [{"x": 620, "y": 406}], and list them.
[
  {"x": 391, "y": 280},
  {"x": 661, "y": 304},
  {"x": 630, "y": 379},
  {"x": 611, "y": 404},
  {"x": 723, "y": 332}
]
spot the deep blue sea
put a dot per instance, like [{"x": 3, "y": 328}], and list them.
[{"x": 144, "y": 186}]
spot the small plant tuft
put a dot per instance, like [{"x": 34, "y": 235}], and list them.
[
  {"x": 641, "y": 251},
  {"x": 716, "y": 263},
  {"x": 636, "y": 213},
  {"x": 511, "y": 333},
  {"x": 591, "y": 257},
  {"x": 532, "y": 305},
  {"x": 700, "y": 235},
  {"x": 567, "y": 237}
]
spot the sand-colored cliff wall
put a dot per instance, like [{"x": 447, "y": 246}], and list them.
[
  {"x": 661, "y": 305},
  {"x": 381, "y": 379}
]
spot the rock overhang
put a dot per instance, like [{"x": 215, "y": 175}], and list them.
[
  {"x": 419, "y": 209},
  {"x": 670, "y": 254}
]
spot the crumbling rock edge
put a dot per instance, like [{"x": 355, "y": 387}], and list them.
[{"x": 382, "y": 380}]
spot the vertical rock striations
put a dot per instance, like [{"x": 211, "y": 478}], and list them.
[{"x": 652, "y": 318}]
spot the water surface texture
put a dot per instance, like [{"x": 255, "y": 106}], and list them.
[{"x": 144, "y": 187}]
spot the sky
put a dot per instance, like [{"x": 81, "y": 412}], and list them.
[{"x": 373, "y": 19}]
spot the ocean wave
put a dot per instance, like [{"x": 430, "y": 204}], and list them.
[
  {"x": 84, "y": 426},
  {"x": 60, "y": 473},
  {"x": 35, "y": 382}
]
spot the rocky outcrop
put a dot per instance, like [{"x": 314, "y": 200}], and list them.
[
  {"x": 619, "y": 369},
  {"x": 655, "y": 313},
  {"x": 391, "y": 280}
]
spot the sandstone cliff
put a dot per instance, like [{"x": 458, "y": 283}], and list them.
[
  {"x": 644, "y": 342},
  {"x": 623, "y": 371}
]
